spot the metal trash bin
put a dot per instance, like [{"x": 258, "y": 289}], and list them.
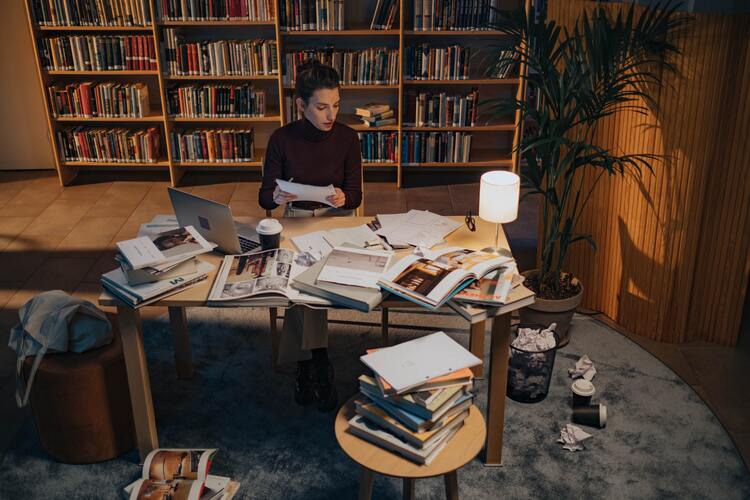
[{"x": 530, "y": 372}]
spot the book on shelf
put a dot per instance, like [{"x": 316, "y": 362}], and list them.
[
  {"x": 97, "y": 53},
  {"x": 91, "y": 13},
  {"x": 165, "y": 248},
  {"x": 218, "y": 57},
  {"x": 136, "y": 296},
  {"x": 379, "y": 116},
  {"x": 436, "y": 147},
  {"x": 117, "y": 145},
  {"x": 384, "y": 14},
  {"x": 425, "y": 62},
  {"x": 378, "y": 147},
  {"x": 440, "y": 109},
  {"x": 212, "y": 145},
  {"x": 213, "y": 10},
  {"x": 434, "y": 277},
  {"x": 372, "y": 109},
  {"x": 504, "y": 64},
  {"x": 180, "y": 474},
  {"x": 443, "y": 15},
  {"x": 215, "y": 101},
  {"x": 260, "y": 278},
  {"x": 371, "y": 66},
  {"x": 311, "y": 15},
  {"x": 99, "y": 100}
]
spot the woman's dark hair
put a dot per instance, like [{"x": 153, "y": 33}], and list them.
[{"x": 313, "y": 75}]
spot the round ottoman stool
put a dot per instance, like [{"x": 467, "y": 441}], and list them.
[
  {"x": 460, "y": 450},
  {"x": 81, "y": 404}
]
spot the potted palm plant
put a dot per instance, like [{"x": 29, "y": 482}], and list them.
[{"x": 608, "y": 62}]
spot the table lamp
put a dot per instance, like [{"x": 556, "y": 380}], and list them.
[{"x": 498, "y": 202}]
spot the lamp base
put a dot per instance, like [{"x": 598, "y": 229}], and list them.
[{"x": 501, "y": 252}]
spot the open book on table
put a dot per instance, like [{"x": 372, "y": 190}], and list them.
[
  {"x": 432, "y": 278},
  {"x": 180, "y": 474},
  {"x": 260, "y": 279},
  {"x": 163, "y": 249}
]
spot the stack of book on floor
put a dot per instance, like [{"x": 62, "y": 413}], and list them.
[
  {"x": 154, "y": 266},
  {"x": 415, "y": 404},
  {"x": 375, "y": 115}
]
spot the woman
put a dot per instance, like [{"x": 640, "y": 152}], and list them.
[{"x": 319, "y": 151}]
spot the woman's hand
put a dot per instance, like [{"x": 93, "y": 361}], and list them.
[
  {"x": 280, "y": 196},
  {"x": 338, "y": 199}
]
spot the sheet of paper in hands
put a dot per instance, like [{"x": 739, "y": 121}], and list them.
[{"x": 306, "y": 192}]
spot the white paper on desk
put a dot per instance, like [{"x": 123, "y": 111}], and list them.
[
  {"x": 313, "y": 243},
  {"x": 361, "y": 236},
  {"x": 306, "y": 192},
  {"x": 416, "y": 227},
  {"x": 355, "y": 267}
]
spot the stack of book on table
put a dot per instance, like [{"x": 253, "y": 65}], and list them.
[
  {"x": 375, "y": 115},
  {"x": 156, "y": 265},
  {"x": 415, "y": 404}
]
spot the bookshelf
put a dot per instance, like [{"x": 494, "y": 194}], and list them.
[{"x": 492, "y": 143}]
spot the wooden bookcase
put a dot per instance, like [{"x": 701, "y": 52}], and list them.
[{"x": 492, "y": 148}]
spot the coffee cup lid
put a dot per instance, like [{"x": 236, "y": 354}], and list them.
[
  {"x": 268, "y": 226},
  {"x": 583, "y": 387}
]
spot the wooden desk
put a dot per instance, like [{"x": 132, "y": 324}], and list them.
[{"x": 135, "y": 359}]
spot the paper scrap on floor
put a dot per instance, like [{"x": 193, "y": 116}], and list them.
[
  {"x": 571, "y": 437},
  {"x": 416, "y": 227},
  {"x": 584, "y": 368},
  {"x": 306, "y": 192},
  {"x": 534, "y": 339}
]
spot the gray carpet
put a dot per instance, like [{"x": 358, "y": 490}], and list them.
[{"x": 661, "y": 440}]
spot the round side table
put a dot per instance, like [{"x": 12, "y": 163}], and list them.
[{"x": 461, "y": 449}]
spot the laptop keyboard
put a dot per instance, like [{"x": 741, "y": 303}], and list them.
[{"x": 247, "y": 245}]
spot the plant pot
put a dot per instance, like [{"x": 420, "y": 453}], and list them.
[{"x": 545, "y": 312}]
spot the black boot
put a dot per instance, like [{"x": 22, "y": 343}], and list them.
[
  {"x": 304, "y": 387},
  {"x": 326, "y": 397}
]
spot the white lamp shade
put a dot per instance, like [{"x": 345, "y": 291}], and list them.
[{"x": 498, "y": 196}]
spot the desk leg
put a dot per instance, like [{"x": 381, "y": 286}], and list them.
[
  {"x": 384, "y": 326},
  {"x": 498, "y": 379},
  {"x": 138, "y": 380},
  {"x": 273, "y": 314},
  {"x": 476, "y": 346},
  {"x": 365, "y": 484},
  {"x": 408, "y": 493},
  {"x": 183, "y": 357},
  {"x": 451, "y": 485}
]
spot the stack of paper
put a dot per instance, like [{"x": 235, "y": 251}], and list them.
[
  {"x": 318, "y": 244},
  {"x": 420, "y": 228},
  {"x": 414, "y": 404},
  {"x": 156, "y": 265}
]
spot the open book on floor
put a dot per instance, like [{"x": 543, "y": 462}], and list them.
[
  {"x": 434, "y": 277},
  {"x": 260, "y": 279},
  {"x": 180, "y": 474}
]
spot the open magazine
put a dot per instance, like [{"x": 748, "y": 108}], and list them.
[
  {"x": 493, "y": 289},
  {"x": 163, "y": 249},
  {"x": 432, "y": 277},
  {"x": 180, "y": 474},
  {"x": 260, "y": 278}
]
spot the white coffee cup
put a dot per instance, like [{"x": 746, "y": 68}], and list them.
[{"x": 269, "y": 233}]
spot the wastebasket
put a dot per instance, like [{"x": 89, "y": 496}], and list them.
[{"x": 529, "y": 372}]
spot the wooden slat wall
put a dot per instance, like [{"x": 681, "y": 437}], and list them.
[{"x": 673, "y": 260}]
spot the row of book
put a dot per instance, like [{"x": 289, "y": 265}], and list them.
[
  {"x": 415, "y": 420},
  {"x": 384, "y": 15},
  {"x": 439, "y": 109},
  {"x": 376, "y": 65},
  {"x": 422, "y": 62},
  {"x": 104, "y": 99},
  {"x": 378, "y": 147},
  {"x": 309, "y": 15},
  {"x": 97, "y": 53},
  {"x": 219, "y": 57},
  {"x": 506, "y": 62},
  {"x": 116, "y": 145},
  {"x": 91, "y": 12},
  {"x": 435, "y": 147},
  {"x": 290, "y": 108},
  {"x": 212, "y": 145},
  {"x": 216, "y": 101},
  {"x": 454, "y": 14},
  {"x": 216, "y": 10},
  {"x": 158, "y": 263}
]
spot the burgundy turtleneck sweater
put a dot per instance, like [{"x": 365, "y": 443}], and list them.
[{"x": 301, "y": 151}]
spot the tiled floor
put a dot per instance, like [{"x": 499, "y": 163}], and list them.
[{"x": 63, "y": 238}]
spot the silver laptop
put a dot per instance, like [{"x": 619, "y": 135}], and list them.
[{"x": 214, "y": 222}]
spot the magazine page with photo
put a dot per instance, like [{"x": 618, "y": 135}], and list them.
[
  {"x": 171, "y": 246},
  {"x": 430, "y": 278}
]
